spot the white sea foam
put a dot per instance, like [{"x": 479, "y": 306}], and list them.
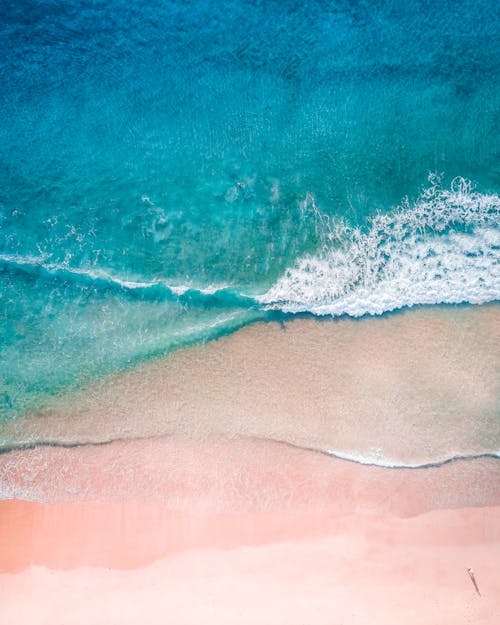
[
  {"x": 443, "y": 249},
  {"x": 377, "y": 458},
  {"x": 105, "y": 276},
  {"x": 65, "y": 268}
]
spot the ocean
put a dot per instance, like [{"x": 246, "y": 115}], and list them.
[{"x": 172, "y": 171}]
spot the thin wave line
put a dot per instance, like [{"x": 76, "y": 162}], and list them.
[
  {"x": 6, "y": 449},
  {"x": 370, "y": 463},
  {"x": 180, "y": 292},
  {"x": 425, "y": 465}
]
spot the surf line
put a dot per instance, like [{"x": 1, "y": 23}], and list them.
[{"x": 32, "y": 445}]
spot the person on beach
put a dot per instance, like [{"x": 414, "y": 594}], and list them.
[{"x": 473, "y": 580}]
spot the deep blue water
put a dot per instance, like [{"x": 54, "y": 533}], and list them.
[{"x": 170, "y": 171}]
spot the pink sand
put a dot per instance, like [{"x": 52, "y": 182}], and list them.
[
  {"x": 357, "y": 569},
  {"x": 336, "y": 542}
]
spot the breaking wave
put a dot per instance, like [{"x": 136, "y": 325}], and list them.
[{"x": 443, "y": 249}]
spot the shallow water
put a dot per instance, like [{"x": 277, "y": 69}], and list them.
[{"x": 172, "y": 171}]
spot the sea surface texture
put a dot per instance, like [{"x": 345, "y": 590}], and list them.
[{"x": 173, "y": 170}]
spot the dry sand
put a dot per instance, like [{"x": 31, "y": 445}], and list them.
[{"x": 369, "y": 571}]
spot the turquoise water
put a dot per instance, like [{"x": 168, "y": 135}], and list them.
[{"x": 171, "y": 171}]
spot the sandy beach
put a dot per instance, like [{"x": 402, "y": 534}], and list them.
[
  {"x": 256, "y": 568},
  {"x": 258, "y": 531},
  {"x": 415, "y": 387},
  {"x": 285, "y": 536},
  {"x": 170, "y": 493}
]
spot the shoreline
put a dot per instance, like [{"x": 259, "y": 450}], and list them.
[
  {"x": 240, "y": 475},
  {"x": 423, "y": 383},
  {"x": 382, "y": 464}
]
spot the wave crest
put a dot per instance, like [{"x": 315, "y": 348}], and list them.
[
  {"x": 222, "y": 294},
  {"x": 443, "y": 249}
]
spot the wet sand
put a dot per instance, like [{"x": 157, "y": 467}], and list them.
[
  {"x": 241, "y": 475},
  {"x": 415, "y": 387}
]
